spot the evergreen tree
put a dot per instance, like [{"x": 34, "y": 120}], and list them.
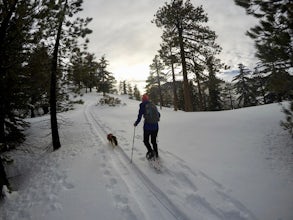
[
  {"x": 214, "y": 101},
  {"x": 157, "y": 69},
  {"x": 124, "y": 88},
  {"x": 170, "y": 57},
  {"x": 83, "y": 72},
  {"x": 120, "y": 87},
  {"x": 130, "y": 91},
  {"x": 16, "y": 38},
  {"x": 273, "y": 35},
  {"x": 27, "y": 27},
  {"x": 38, "y": 80},
  {"x": 260, "y": 85},
  {"x": 227, "y": 96},
  {"x": 90, "y": 78},
  {"x": 273, "y": 41},
  {"x": 199, "y": 79},
  {"x": 76, "y": 73},
  {"x": 154, "y": 81},
  {"x": 152, "y": 89},
  {"x": 184, "y": 24},
  {"x": 179, "y": 17},
  {"x": 243, "y": 87},
  {"x": 58, "y": 27},
  {"x": 105, "y": 79},
  {"x": 136, "y": 93}
]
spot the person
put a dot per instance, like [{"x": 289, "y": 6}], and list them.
[{"x": 150, "y": 129}]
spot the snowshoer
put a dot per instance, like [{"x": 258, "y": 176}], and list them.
[{"x": 150, "y": 127}]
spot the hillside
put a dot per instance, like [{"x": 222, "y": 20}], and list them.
[{"x": 215, "y": 165}]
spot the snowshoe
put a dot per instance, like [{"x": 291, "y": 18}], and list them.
[{"x": 149, "y": 155}]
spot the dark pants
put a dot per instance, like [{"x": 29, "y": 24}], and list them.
[{"x": 146, "y": 137}]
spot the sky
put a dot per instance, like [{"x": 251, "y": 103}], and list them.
[{"x": 124, "y": 33}]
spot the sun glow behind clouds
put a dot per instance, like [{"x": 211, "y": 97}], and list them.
[{"x": 135, "y": 74}]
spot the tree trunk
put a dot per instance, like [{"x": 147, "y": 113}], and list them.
[
  {"x": 187, "y": 98},
  {"x": 175, "y": 99},
  {"x": 200, "y": 96},
  {"x": 3, "y": 177},
  {"x": 2, "y": 109},
  {"x": 159, "y": 85},
  {"x": 53, "y": 98}
]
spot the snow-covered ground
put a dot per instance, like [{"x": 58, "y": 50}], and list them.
[{"x": 230, "y": 165}]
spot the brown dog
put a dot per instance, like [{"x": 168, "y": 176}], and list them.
[{"x": 112, "y": 139}]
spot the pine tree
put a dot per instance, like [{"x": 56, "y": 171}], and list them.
[
  {"x": 38, "y": 81},
  {"x": 273, "y": 35},
  {"x": 130, "y": 91},
  {"x": 16, "y": 38},
  {"x": 273, "y": 41},
  {"x": 124, "y": 88},
  {"x": 184, "y": 25},
  {"x": 227, "y": 96},
  {"x": 76, "y": 73},
  {"x": 152, "y": 88},
  {"x": 90, "y": 68},
  {"x": 136, "y": 93},
  {"x": 57, "y": 24},
  {"x": 105, "y": 78},
  {"x": 170, "y": 57},
  {"x": 243, "y": 87},
  {"x": 260, "y": 85},
  {"x": 214, "y": 102},
  {"x": 157, "y": 68},
  {"x": 176, "y": 16}
]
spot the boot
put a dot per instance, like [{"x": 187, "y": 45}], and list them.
[{"x": 149, "y": 155}]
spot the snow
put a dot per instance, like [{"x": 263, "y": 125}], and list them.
[{"x": 229, "y": 165}]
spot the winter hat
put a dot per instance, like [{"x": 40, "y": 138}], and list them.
[{"x": 145, "y": 97}]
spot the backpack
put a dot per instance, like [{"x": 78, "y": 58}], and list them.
[{"x": 151, "y": 115}]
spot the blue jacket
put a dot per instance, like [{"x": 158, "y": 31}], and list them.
[{"x": 146, "y": 126}]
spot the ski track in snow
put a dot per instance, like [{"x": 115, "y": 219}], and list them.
[
  {"x": 176, "y": 190},
  {"x": 128, "y": 173}
]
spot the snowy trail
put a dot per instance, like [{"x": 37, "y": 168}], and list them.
[
  {"x": 160, "y": 207},
  {"x": 89, "y": 179},
  {"x": 178, "y": 191}
]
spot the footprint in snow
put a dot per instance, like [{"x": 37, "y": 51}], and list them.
[
  {"x": 107, "y": 173},
  {"x": 68, "y": 186},
  {"x": 110, "y": 186}
]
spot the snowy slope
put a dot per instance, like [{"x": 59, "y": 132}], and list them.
[{"x": 215, "y": 165}]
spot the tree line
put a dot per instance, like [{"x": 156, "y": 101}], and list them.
[
  {"x": 125, "y": 88},
  {"x": 44, "y": 57},
  {"x": 184, "y": 72}
]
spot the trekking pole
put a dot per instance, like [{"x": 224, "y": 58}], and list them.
[{"x": 132, "y": 144}]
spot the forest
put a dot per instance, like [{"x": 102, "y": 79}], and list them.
[
  {"x": 44, "y": 59},
  {"x": 189, "y": 52}
]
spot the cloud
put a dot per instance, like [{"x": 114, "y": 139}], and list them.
[
  {"x": 122, "y": 30},
  {"x": 231, "y": 23}
]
